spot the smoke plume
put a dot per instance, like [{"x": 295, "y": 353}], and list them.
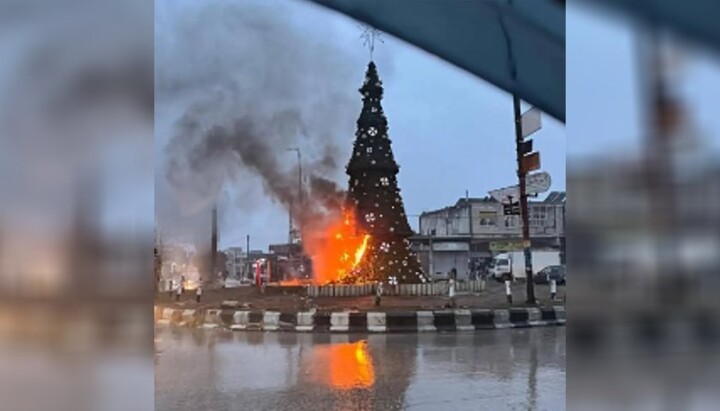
[{"x": 237, "y": 86}]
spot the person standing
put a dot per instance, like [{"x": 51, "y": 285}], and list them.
[
  {"x": 451, "y": 291},
  {"x": 378, "y": 294}
]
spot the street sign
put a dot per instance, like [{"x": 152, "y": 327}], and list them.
[
  {"x": 502, "y": 194},
  {"x": 537, "y": 183},
  {"x": 526, "y": 147},
  {"x": 530, "y": 121},
  {"x": 531, "y": 162},
  {"x": 511, "y": 209}
]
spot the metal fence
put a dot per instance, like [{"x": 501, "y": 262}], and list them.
[{"x": 402, "y": 289}]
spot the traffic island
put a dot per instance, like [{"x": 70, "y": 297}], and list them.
[{"x": 291, "y": 309}]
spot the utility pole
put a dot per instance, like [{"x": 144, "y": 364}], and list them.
[
  {"x": 247, "y": 256},
  {"x": 213, "y": 246},
  {"x": 300, "y": 192},
  {"x": 523, "y": 148},
  {"x": 664, "y": 119},
  {"x": 431, "y": 261},
  {"x": 290, "y": 222},
  {"x": 526, "y": 162}
]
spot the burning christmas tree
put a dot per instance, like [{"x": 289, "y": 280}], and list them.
[{"x": 374, "y": 196}]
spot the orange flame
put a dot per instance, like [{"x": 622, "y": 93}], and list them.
[
  {"x": 337, "y": 248},
  {"x": 361, "y": 251},
  {"x": 343, "y": 366}
]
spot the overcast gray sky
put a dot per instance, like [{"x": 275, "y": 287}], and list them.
[
  {"x": 451, "y": 131},
  {"x": 603, "y": 106}
]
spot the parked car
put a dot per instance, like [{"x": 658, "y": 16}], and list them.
[{"x": 551, "y": 272}]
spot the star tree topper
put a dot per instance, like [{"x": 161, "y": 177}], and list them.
[{"x": 369, "y": 36}]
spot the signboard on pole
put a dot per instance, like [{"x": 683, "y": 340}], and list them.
[
  {"x": 534, "y": 184},
  {"x": 530, "y": 121},
  {"x": 537, "y": 183},
  {"x": 511, "y": 209},
  {"x": 531, "y": 162},
  {"x": 502, "y": 194}
]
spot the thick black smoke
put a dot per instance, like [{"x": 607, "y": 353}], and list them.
[{"x": 237, "y": 85}]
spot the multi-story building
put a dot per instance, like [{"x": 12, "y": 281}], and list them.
[
  {"x": 465, "y": 236},
  {"x": 235, "y": 262}
]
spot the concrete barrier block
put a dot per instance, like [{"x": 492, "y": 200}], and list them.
[
  {"x": 212, "y": 318},
  {"x": 559, "y": 313},
  {"x": 165, "y": 316},
  {"x": 534, "y": 316},
  {"x": 426, "y": 321},
  {"x": 271, "y": 321},
  {"x": 463, "y": 320},
  {"x": 176, "y": 317},
  {"x": 240, "y": 320},
  {"x": 376, "y": 322},
  {"x": 305, "y": 321},
  {"x": 401, "y": 321},
  {"x": 502, "y": 319},
  {"x": 339, "y": 322},
  {"x": 519, "y": 317},
  {"x": 188, "y": 318},
  {"x": 483, "y": 319}
]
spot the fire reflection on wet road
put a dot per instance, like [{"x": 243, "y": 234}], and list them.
[{"x": 489, "y": 370}]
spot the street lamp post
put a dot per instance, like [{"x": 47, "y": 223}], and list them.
[
  {"x": 300, "y": 191},
  {"x": 299, "y": 206}
]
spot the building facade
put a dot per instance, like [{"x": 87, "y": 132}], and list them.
[
  {"x": 462, "y": 238},
  {"x": 236, "y": 262}
]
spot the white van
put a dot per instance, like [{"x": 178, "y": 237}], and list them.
[{"x": 506, "y": 266}]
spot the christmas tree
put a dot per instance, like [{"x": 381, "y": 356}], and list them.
[{"x": 375, "y": 197}]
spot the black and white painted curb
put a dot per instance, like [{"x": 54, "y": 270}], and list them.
[{"x": 374, "y": 322}]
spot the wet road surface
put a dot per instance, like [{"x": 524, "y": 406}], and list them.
[{"x": 521, "y": 369}]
